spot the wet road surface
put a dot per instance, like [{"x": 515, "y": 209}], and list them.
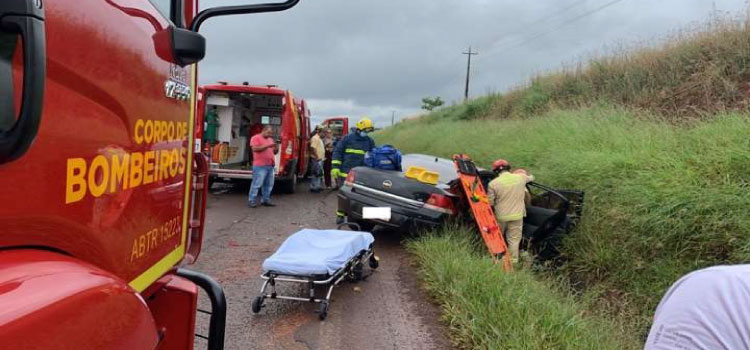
[{"x": 386, "y": 311}]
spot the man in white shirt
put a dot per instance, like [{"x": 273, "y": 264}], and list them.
[{"x": 708, "y": 309}]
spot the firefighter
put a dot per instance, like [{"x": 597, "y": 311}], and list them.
[
  {"x": 506, "y": 193},
  {"x": 350, "y": 153}
]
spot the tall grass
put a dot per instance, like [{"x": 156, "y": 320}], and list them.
[
  {"x": 661, "y": 199},
  {"x": 658, "y": 137},
  {"x": 488, "y": 309},
  {"x": 696, "y": 72}
]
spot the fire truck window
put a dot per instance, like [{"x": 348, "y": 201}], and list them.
[
  {"x": 164, "y": 6},
  {"x": 11, "y": 77},
  {"x": 171, "y": 9}
]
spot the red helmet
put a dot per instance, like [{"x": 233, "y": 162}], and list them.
[{"x": 500, "y": 164}]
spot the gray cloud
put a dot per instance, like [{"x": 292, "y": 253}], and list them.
[{"x": 373, "y": 57}]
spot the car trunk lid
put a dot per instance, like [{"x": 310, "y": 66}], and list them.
[{"x": 394, "y": 183}]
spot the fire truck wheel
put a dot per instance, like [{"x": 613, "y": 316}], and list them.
[
  {"x": 289, "y": 186},
  {"x": 257, "y": 304}
]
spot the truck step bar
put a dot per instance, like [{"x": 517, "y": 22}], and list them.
[{"x": 218, "y": 319}]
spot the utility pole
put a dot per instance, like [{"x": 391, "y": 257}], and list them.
[
  {"x": 468, "y": 71},
  {"x": 393, "y": 117}
]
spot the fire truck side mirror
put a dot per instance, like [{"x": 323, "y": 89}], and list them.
[
  {"x": 202, "y": 16},
  {"x": 188, "y": 47},
  {"x": 179, "y": 46},
  {"x": 22, "y": 19}
]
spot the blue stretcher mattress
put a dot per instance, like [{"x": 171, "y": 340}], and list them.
[{"x": 317, "y": 252}]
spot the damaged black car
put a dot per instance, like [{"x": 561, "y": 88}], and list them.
[{"x": 414, "y": 204}]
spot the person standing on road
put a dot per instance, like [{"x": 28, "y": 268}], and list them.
[
  {"x": 350, "y": 153},
  {"x": 264, "y": 148},
  {"x": 317, "y": 155},
  {"x": 507, "y": 193},
  {"x": 210, "y": 137},
  {"x": 328, "y": 142}
]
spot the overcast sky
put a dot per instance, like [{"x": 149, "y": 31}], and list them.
[{"x": 377, "y": 57}]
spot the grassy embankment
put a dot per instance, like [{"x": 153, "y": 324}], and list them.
[{"x": 659, "y": 141}]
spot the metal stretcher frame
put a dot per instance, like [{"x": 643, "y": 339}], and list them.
[{"x": 354, "y": 269}]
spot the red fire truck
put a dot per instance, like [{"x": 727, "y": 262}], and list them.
[
  {"x": 339, "y": 126},
  {"x": 103, "y": 194},
  {"x": 241, "y": 111}
]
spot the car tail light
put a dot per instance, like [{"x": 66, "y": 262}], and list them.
[
  {"x": 440, "y": 203},
  {"x": 350, "y": 177}
]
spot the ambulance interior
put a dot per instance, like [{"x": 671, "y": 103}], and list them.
[{"x": 240, "y": 117}]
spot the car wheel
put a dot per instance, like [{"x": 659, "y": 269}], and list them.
[{"x": 365, "y": 225}]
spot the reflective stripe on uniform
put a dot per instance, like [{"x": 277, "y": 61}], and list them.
[
  {"x": 336, "y": 162},
  {"x": 340, "y": 213},
  {"x": 355, "y": 151},
  {"x": 511, "y": 217},
  {"x": 505, "y": 182},
  {"x": 508, "y": 179},
  {"x": 343, "y": 174}
]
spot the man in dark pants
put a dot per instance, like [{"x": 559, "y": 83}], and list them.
[
  {"x": 317, "y": 156},
  {"x": 328, "y": 143},
  {"x": 350, "y": 153}
]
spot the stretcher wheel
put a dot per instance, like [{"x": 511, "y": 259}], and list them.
[
  {"x": 358, "y": 272},
  {"x": 257, "y": 304},
  {"x": 323, "y": 313},
  {"x": 374, "y": 262}
]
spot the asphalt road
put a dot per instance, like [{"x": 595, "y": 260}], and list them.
[{"x": 387, "y": 311}]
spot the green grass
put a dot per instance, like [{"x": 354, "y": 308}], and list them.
[
  {"x": 661, "y": 199},
  {"x": 488, "y": 309},
  {"x": 659, "y": 139}
]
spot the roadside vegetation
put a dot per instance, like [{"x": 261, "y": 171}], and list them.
[
  {"x": 658, "y": 139},
  {"x": 485, "y": 308},
  {"x": 690, "y": 75}
]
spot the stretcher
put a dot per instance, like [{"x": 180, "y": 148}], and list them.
[
  {"x": 476, "y": 196},
  {"x": 317, "y": 258}
]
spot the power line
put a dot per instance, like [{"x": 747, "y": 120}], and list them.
[
  {"x": 561, "y": 11},
  {"x": 468, "y": 71},
  {"x": 565, "y": 23},
  {"x": 540, "y": 20},
  {"x": 557, "y": 13}
]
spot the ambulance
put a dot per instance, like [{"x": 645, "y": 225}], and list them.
[{"x": 240, "y": 112}]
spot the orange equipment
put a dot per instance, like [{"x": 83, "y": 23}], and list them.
[{"x": 483, "y": 215}]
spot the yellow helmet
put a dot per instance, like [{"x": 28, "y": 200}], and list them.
[{"x": 365, "y": 124}]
